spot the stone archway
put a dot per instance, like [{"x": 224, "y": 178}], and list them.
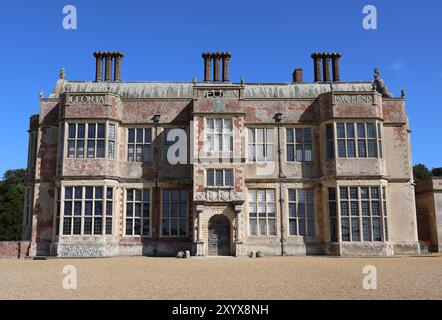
[{"x": 219, "y": 236}]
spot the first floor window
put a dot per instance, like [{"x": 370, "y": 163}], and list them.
[
  {"x": 301, "y": 212},
  {"x": 111, "y": 134},
  {"x": 219, "y": 178},
  {"x": 262, "y": 212},
  {"x": 139, "y": 145},
  {"x": 137, "y": 212},
  {"x": 87, "y": 210},
  {"x": 87, "y": 140},
  {"x": 299, "y": 144},
  {"x": 261, "y": 146},
  {"x": 362, "y": 140},
  {"x": 219, "y": 135},
  {"x": 174, "y": 213}
]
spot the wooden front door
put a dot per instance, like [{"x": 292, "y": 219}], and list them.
[{"x": 219, "y": 236}]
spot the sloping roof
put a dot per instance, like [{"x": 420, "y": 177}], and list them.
[{"x": 184, "y": 90}]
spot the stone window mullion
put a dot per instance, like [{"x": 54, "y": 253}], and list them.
[{"x": 338, "y": 212}]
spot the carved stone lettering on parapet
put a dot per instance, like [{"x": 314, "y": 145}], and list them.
[
  {"x": 86, "y": 99},
  {"x": 353, "y": 98}
]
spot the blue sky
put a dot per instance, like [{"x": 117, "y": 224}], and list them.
[{"x": 163, "y": 41}]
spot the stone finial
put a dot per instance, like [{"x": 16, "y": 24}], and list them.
[
  {"x": 242, "y": 82},
  {"x": 403, "y": 93},
  {"x": 380, "y": 85},
  {"x": 41, "y": 94},
  {"x": 62, "y": 73},
  {"x": 194, "y": 80}
]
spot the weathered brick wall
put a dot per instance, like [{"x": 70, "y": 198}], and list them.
[{"x": 14, "y": 249}]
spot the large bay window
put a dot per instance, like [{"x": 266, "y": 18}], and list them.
[
  {"x": 174, "y": 213},
  {"x": 359, "y": 140},
  {"x": 362, "y": 213},
  {"x": 88, "y": 210},
  {"x": 262, "y": 212}
]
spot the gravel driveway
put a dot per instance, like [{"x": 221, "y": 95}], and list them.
[{"x": 223, "y": 278}]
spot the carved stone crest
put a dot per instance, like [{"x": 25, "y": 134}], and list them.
[{"x": 218, "y": 195}]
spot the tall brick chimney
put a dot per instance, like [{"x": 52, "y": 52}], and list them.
[
  {"x": 112, "y": 61},
  {"x": 217, "y": 58},
  {"x": 325, "y": 57}
]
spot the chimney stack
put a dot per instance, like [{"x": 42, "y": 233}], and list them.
[
  {"x": 326, "y": 57},
  {"x": 218, "y": 58},
  {"x": 326, "y": 67},
  {"x": 110, "y": 58},
  {"x": 297, "y": 75},
  {"x": 216, "y": 74},
  {"x": 317, "y": 66},
  {"x": 335, "y": 61}
]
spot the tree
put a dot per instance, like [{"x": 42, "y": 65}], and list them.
[
  {"x": 436, "y": 172},
  {"x": 420, "y": 171},
  {"x": 12, "y": 191}
]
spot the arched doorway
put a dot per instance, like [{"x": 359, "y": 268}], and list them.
[{"x": 219, "y": 236}]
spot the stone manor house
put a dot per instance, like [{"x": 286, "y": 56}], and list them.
[{"x": 220, "y": 167}]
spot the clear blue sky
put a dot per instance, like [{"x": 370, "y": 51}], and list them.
[{"x": 163, "y": 41}]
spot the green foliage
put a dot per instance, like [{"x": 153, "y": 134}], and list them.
[
  {"x": 420, "y": 171},
  {"x": 436, "y": 172},
  {"x": 12, "y": 191}
]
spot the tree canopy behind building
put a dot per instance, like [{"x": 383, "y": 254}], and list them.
[{"x": 12, "y": 190}]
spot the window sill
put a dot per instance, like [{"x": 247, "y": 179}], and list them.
[{"x": 219, "y": 188}]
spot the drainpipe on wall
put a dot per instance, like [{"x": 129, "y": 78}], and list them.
[
  {"x": 156, "y": 120},
  {"x": 278, "y": 118}
]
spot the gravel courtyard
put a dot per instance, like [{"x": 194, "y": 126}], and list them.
[{"x": 223, "y": 278}]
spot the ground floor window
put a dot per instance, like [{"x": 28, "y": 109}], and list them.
[
  {"x": 88, "y": 210},
  {"x": 174, "y": 213},
  {"x": 137, "y": 212},
  {"x": 301, "y": 212},
  {"x": 363, "y": 214},
  {"x": 332, "y": 212},
  {"x": 262, "y": 212}
]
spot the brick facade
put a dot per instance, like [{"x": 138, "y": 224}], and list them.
[
  {"x": 14, "y": 249},
  {"x": 82, "y": 181}
]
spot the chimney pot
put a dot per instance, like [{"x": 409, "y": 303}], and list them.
[
  {"x": 326, "y": 66},
  {"x": 108, "y": 67},
  {"x": 118, "y": 56},
  {"x": 317, "y": 66},
  {"x": 98, "y": 66},
  {"x": 335, "y": 63},
  {"x": 216, "y": 70},
  {"x": 226, "y": 66},
  {"x": 297, "y": 75},
  {"x": 207, "y": 65},
  {"x": 108, "y": 57}
]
